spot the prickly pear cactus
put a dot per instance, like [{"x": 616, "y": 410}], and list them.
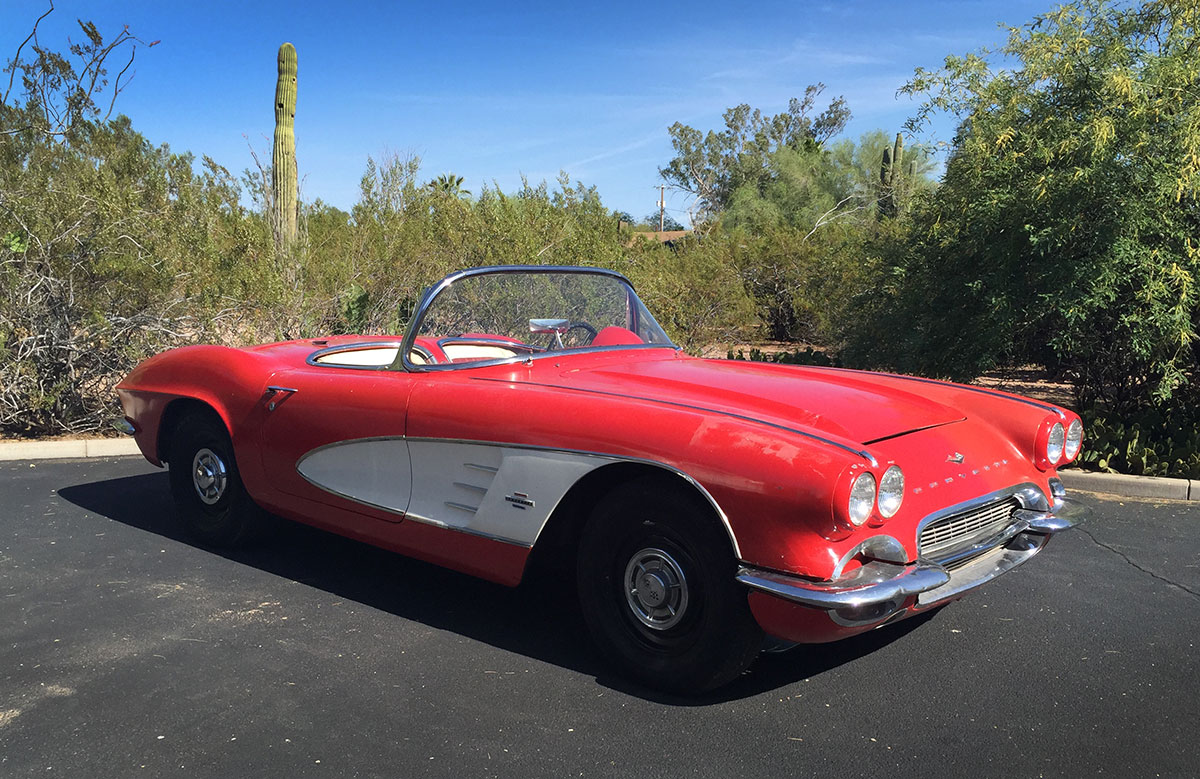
[
  {"x": 283, "y": 160},
  {"x": 1150, "y": 444}
]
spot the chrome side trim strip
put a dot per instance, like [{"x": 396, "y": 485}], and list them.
[
  {"x": 465, "y": 530},
  {"x": 466, "y": 486},
  {"x": 863, "y": 453},
  {"x": 474, "y": 466},
  {"x": 461, "y": 506}
]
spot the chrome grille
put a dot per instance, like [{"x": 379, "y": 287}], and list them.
[{"x": 974, "y": 524}]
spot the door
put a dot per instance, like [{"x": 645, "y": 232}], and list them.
[{"x": 336, "y": 435}]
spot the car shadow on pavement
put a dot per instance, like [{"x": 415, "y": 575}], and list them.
[{"x": 539, "y": 619}]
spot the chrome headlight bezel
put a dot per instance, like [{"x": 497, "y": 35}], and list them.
[
  {"x": 891, "y": 492},
  {"x": 1074, "y": 440},
  {"x": 1055, "y": 443},
  {"x": 861, "y": 503}
]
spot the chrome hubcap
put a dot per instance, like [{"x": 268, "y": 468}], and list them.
[
  {"x": 209, "y": 476},
  {"x": 656, "y": 589}
]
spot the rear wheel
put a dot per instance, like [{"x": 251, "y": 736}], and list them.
[
  {"x": 656, "y": 582},
  {"x": 210, "y": 500}
]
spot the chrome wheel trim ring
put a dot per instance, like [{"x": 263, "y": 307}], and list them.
[
  {"x": 210, "y": 477},
  {"x": 655, "y": 589}
]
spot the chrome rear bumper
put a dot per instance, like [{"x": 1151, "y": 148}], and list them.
[{"x": 880, "y": 590}]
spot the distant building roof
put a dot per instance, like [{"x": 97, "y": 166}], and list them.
[{"x": 667, "y": 236}]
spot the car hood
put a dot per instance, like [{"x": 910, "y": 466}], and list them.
[{"x": 846, "y": 404}]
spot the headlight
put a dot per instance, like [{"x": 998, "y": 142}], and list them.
[
  {"x": 862, "y": 499},
  {"x": 891, "y": 491},
  {"x": 1074, "y": 439},
  {"x": 1054, "y": 443}
]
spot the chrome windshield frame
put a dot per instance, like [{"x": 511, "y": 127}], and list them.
[{"x": 402, "y": 362}]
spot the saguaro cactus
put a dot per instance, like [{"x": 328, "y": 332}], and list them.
[
  {"x": 897, "y": 159},
  {"x": 283, "y": 160},
  {"x": 891, "y": 175}
]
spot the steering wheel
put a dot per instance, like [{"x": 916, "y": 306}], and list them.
[
  {"x": 584, "y": 326},
  {"x": 561, "y": 336}
]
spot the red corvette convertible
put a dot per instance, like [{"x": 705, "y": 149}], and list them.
[{"x": 699, "y": 503}]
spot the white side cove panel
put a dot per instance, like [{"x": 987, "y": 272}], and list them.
[
  {"x": 490, "y": 490},
  {"x": 373, "y": 471},
  {"x": 496, "y": 491}
]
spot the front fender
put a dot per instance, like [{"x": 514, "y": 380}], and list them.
[{"x": 229, "y": 381}]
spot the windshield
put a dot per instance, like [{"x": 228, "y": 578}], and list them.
[{"x": 504, "y": 313}]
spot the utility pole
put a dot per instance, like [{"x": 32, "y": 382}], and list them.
[{"x": 662, "y": 206}]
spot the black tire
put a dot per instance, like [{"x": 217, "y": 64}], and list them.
[
  {"x": 643, "y": 529},
  {"x": 226, "y": 515}
]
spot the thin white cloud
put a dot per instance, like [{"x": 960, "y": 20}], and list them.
[
  {"x": 656, "y": 137},
  {"x": 809, "y": 53}
]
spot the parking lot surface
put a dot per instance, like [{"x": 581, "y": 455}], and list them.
[{"x": 125, "y": 649}]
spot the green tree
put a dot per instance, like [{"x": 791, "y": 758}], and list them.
[
  {"x": 809, "y": 216},
  {"x": 449, "y": 184},
  {"x": 47, "y": 94},
  {"x": 712, "y": 166},
  {"x": 668, "y": 222},
  {"x": 1064, "y": 231}
]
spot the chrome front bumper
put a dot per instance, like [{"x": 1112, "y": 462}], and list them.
[{"x": 880, "y": 590}]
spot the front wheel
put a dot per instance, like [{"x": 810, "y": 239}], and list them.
[
  {"x": 657, "y": 587},
  {"x": 210, "y": 499}
]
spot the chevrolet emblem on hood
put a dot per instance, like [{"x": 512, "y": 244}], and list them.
[{"x": 955, "y": 458}]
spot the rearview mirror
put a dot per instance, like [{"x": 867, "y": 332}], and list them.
[{"x": 556, "y": 326}]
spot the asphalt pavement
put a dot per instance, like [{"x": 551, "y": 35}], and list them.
[{"x": 127, "y": 650}]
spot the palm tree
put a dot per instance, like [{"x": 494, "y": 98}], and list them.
[{"x": 449, "y": 184}]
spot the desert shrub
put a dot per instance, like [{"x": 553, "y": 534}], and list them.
[
  {"x": 119, "y": 249},
  {"x": 693, "y": 289}
]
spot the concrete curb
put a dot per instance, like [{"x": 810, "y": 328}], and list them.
[
  {"x": 68, "y": 449},
  {"x": 1132, "y": 486}
]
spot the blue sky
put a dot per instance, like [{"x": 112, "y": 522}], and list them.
[{"x": 491, "y": 91}]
